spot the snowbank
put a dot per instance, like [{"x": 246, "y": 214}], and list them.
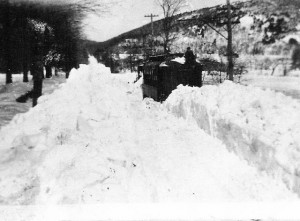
[
  {"x": 261, "y": 126},
  {"x": 95, "y": 141}
]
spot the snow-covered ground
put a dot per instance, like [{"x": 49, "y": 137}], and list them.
[
  {"x": 94, "y": 140},
  {"x": 8, "y": 94},
  {"x": 288, "y": 85},
  {"x": 260, "y": 126}
]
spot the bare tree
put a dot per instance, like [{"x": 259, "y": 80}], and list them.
[
  {"x": 7, "y": 30},
  {"x": 27, "y": 22},
  {"x": 170, "y": 9}
]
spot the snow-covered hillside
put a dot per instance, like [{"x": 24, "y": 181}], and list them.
[{"x": 95, "y": 141}]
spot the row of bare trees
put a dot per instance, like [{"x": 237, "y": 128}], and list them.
[{"x": 37, "y": 35}]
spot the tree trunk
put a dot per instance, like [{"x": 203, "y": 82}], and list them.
[
  {"x": 69, "y": 62},
  {"x": 48, "y": 71},
  {"x": 8, "y": 71},
  {"x": 7, "y": 47},
  {"x": 37, "y": 91},
  {"x": 25, "y": 72},
  {"x": 25, "y": 48},
  {"x": 55, "y": 71},
  {"x": 68, "y": 68},
  {"x": 68, "y": 72},
  {"x": 37, "y": 72},
  {"x": 71, "y": 55},
  {"x": 47, "y": 46},
  {"x": 25, "y": 56}
]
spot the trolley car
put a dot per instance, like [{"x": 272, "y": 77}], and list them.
[{"x": 162, "y": 74}]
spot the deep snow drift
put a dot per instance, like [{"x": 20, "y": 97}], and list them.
[
  {"x": 259, "y": 125},
  {"x": 94, "y": 140}
]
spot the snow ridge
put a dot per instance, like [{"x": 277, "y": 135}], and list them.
[{"x": 260, "y": 126}]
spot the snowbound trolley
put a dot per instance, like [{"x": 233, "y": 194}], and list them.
[{"x": 162, "y": 74}]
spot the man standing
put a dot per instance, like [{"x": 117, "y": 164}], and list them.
[{"x": 189, "y": 57}]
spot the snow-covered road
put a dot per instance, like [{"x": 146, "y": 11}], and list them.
[{"x": 95, "y": 141}]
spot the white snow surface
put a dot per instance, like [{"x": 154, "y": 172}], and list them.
[
  {"x": 294, "y": 36},
  {"x": 9, "y": 93},
  {"x": 180, "y": 60},
  {"x": 247, "y": 21},
  {"x": 95, "y": 141},
  {"x": 261, "y": 126},
  {"x": 288, "y": 85}
]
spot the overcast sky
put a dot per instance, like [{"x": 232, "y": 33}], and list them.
[
  {"x": 124, "y": 15},
  {"x": 129, "y": 14}
]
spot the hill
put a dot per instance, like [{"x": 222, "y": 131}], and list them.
[{"x": 263, "y": 25}]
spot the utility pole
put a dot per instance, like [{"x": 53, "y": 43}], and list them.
[
  {"x": 152, "y": 28},
  {"x": 230, "y": 20},
  {"x": 151, "y": 16},
  {"x": 229, "y": 45}
]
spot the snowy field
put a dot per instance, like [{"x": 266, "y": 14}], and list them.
[
  {"x": 288, "y": 85},
  {"x": 94, "y": 140}
]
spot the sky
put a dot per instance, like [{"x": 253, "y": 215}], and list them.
[{"x": 129, "y": 14}]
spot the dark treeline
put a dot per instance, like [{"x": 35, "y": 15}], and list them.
[
  {"x": 32, "y": 31},
  {"x": 36, "y": 35}
]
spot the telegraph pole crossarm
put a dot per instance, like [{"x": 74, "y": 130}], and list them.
[{"x": 151, "y": 16}]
